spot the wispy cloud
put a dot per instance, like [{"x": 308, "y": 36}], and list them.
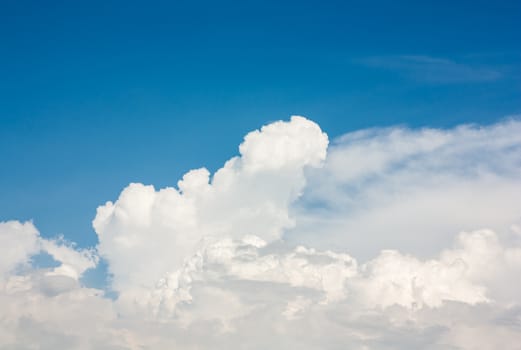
[{"x": 434, "y": 69}]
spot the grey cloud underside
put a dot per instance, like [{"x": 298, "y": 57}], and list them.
[{"x": 386, "y": 239}]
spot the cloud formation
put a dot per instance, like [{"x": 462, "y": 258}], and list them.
[
  {"x": 412, "y": 190},
  {"x": 385, "y": 239},
  {"x": 434, "y": 69}
]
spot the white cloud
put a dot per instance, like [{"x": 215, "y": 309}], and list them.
[
  {"x": 19, "y": 242},
  {"x": 250, "y": 195},
  {"x": 73, "y": 262},
  {"x": 261, "y": 254},
  {"x": 412, "y": 190}
]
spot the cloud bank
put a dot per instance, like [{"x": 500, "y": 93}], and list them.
[{"x": 384, "y": 239}]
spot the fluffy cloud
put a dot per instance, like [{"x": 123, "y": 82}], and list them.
[
  {"x": 412, "y": 190},
  {"x": 19, "y": 242},
  {"x": 250, "y": 195},
  {"x": 396, "y": 239},
  {"x": 45, "y": 307}
]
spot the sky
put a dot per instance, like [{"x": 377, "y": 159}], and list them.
[
  {"x": 95, "y": 95},
  {"x": 155, "y": 167}
]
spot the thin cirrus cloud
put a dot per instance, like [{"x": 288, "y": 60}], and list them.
[
  {"x": 260, "y": 253},
  {"x": 434, "y": 69}
]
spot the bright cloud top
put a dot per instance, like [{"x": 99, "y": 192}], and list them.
[{"x": 257, "y": 254}]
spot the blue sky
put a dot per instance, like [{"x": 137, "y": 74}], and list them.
[{"x": 94, "y": 95}]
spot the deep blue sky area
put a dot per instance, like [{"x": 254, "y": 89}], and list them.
[{"x": 97, "y": 94}]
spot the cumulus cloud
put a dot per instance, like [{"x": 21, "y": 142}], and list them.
[
  {"x": 19, "y": 241},
  {"x": 250, "y": 195},
  {"x": 386, "y": 239}
]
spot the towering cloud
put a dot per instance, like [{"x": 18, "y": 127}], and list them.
[
  {"x": 397, "y": 239},
  {"x": 250, "y": 195}
]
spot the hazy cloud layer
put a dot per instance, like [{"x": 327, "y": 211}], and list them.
[{"x": 388, "y": 239}]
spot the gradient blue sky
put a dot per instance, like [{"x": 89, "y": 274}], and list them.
[{"x": 97, "y": 94}]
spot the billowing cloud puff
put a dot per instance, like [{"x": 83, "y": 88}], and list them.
[
  {"x": 250, "y": 195},
  {"x": 388, "y": 239}
]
